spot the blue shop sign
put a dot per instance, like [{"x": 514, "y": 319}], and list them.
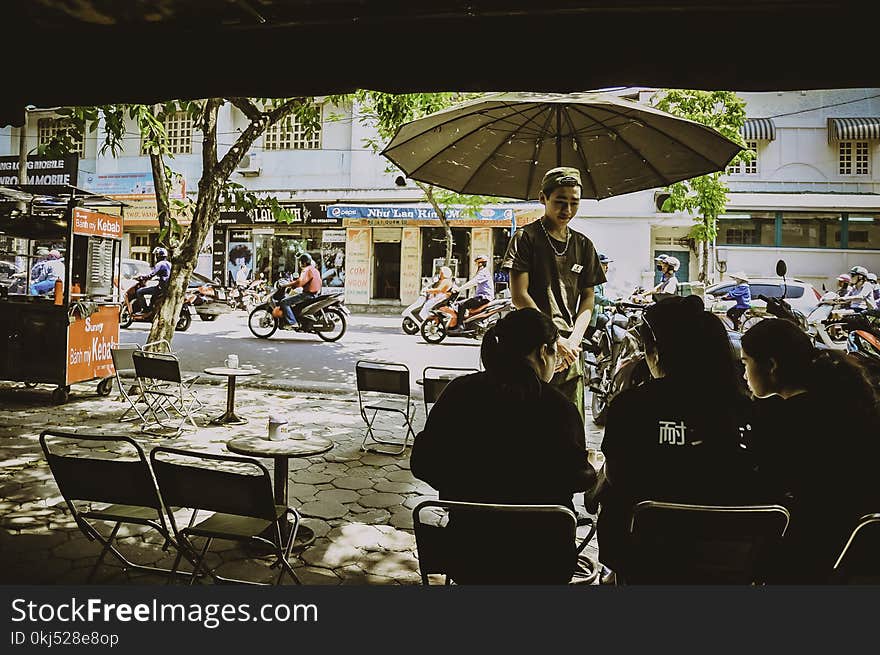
[{"x": 418, "y": 213}]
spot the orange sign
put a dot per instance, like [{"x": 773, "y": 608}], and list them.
[
  {"x": 96, "y": 224},
  {"x": 89, "y": 341}
]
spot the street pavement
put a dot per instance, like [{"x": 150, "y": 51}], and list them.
[
  {"x": 297, "y": 361},
  {"x": 358, "y": 503}
]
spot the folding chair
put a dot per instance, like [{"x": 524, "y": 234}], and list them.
[
  {"x": 123, "y": 363},
  {"x": 676, "y": 543},
  {"x": 126, "y": 485},
  {"x": 482, "y": 543},
  {"x": 384, "y": 387},
  {"x": 859, "y": 562},
  {"x": 162, "y": 386},
  {"x": 435, "y": 382},
  {"x": 241, "y": 500}
]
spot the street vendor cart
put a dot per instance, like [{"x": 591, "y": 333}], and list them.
[{"x": 62, "y": 334}]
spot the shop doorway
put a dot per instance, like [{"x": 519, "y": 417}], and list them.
[{"x": 386, "y": 271}]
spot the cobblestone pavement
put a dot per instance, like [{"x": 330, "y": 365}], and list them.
[{"x": 358, "y": 503}]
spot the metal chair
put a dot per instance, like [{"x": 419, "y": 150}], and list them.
[
  {"x": 163, "y": 387},
  {"x": 241, "y": 500},
  {"x": 126, "y": 485},
  {"x": 435, "y": 384},
  {"x": 858, "y": 562},
  {"x": 123, "y": 363},
  {"x": 677, "y": 543},
  {"x": 481, "y": 543},
  {"x": 384, "y": 387}
]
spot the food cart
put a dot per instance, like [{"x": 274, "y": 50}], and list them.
[{"x": 64, "y": 335}]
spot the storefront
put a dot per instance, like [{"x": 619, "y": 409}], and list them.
[
  {"x": 256, "y": 243},
  {"x": 394, "y": 250}
]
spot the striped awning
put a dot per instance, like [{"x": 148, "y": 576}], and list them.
[
  {"x": 853, "y": 129},
  {"x": 758, "y": 129}
]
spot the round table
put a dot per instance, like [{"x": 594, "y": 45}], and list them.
[
  {"x": 281, "y": 452},
  {"x": 229, "y": 417}
]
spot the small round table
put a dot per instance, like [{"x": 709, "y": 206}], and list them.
[
  {"x": 229, "y": 417},
  {"x": 281, "y": 452}
]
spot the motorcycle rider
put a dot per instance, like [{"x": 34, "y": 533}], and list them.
[
  {"x": 438, "y": 293},
  {"x": 742, "y": 294},
  {"x": 601, "y": 299},
  {"x": 843, "y": 281},
  {"x": 161, "y": 271},
  {"x": 668, "y": 265},
  {"x": 484, "y": 293},
  {"x": 309, "y": 280},
  {"x": 861, "y": 292},
  {"x": 872, "y": 278}
]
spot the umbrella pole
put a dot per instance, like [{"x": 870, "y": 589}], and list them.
[{"x": 558, "y": 135}]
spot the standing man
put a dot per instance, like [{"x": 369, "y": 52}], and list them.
[
  {"x": 554, "y": 269},
  {"x": 484, "y": 292}
]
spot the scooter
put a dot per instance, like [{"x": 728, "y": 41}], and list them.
[
  {"x": 412, "y": 322},
  {"x": 132, "y": 312},
  {"x": 443, "y": 320},
  {"x": 323, "y": 315},
  {"x": 826, "y": 322}
]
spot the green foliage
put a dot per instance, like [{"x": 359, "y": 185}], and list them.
[{"x": 705, "y": 197}]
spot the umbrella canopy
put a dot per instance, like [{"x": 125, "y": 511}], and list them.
[{"x": 502, "y": 144}]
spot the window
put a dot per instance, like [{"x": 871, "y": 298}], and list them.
[
  {"x": 853, "y": 158},
  {"x": 47, "y": 128},
  {"x": 748, "y": 167},
  {"x": 811, "y": 230},
  {"x": 752, "y": 229},
  {"x": 178, "y": 132},
  {"x": 864, "y": 231},
  {"x": 290, "y": 134}
]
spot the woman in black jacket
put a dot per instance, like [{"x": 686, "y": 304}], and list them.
[{"x": 815, "y": 439}]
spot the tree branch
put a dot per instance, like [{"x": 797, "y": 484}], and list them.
[
  {"x": 209, "y": 133},
  {"x": 247, "y": 107}
]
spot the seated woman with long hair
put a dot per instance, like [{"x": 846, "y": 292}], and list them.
[
  {"x": 506, "y": 436},
  {"x": 815, "y": 440},
  {"x": 677, "y": 437}
]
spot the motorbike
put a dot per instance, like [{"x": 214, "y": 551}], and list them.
[
  {"x": 863, "y": 342},
  {"x": 323, "y": 315},
  {"x": 412, "y": 322},
  {"x": 131, "y": 310},
  {"x": 248, "y": 296},
  {"x": 443, "y": 320},
  {"x": 614, "y": 344},
  {"x": 827, "y": 322}
]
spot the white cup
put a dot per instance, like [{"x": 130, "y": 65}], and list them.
[
  {"x": 232, "y": 361},
  {"x": 277, "y": 428}
]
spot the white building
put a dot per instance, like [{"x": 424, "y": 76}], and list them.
[{"x": 811, "y": 196}]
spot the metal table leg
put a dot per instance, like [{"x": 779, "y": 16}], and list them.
[{"x": 229, "y": 418}]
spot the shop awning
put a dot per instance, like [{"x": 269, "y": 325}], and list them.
[
  {"x": 853, "y": 129},
  {"x": 758, "y": 129}
]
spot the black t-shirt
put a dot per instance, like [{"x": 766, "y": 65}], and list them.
[
  {"x": 555, "y": 282},
  {"x": 822, "y": 467},
  {"x": 662, "y": 444},
  {"x": 479, "y": 446}
]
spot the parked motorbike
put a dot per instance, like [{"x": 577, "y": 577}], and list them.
[
  {"x": 863, "y": 342},
  {"x": 247, "y": 297},
  {"x": 412, "y": 322},
  {"x": 323, "y": 315},
  {"x": 443, "y": 320},
  {"x": 826, "y": 323},
  {"x": 132, "y": 311},
  {"x": 782, "y": 309}
]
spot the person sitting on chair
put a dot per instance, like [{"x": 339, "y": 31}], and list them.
[
  {"x": 309, "y": 281},
  {"x": 484, "y": 292},
  {"x": 161, "y": 271}
]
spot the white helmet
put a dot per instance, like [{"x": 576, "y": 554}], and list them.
[
  {"x": 859, "y": 270},
  {"x": 872, "y": 277},
  {"x": 673, "y": 262},
  {"x": 159, "y": 251}
]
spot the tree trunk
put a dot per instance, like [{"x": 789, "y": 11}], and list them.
[
  {"x": 441, "y": 214},
  {"x": 704, "y": 261}
]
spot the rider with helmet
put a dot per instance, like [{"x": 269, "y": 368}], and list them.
[
  {"x": 668, "y": 265},
  {"x": 161, "y": 271},
  {"x": 872, "y": 278},
  {"x": 843, "y": 281},
  {"x": 861, "y": 292},
  {"x": 601, "y": 300},
  {"x": 485, "y": 288}
]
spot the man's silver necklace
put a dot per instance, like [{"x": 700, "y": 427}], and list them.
[{"x": 550, "y": 241}]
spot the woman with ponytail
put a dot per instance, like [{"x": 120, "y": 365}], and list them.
[
  {"x": 676, "y": 438},
  {"x": 505, "y": 435},
  {"x": 815, "y": 440}
]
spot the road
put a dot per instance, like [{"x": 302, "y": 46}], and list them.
[{"x": 290, "y": 359}]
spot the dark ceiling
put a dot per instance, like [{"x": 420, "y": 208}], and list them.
[{"x": 100, "y": 51}]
